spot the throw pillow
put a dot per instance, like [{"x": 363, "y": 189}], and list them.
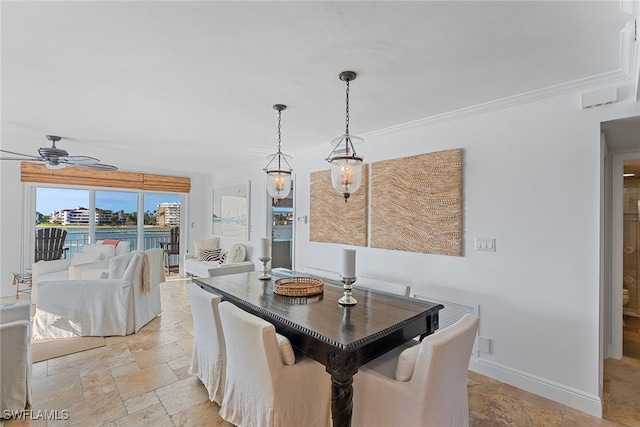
[
  {"x": 106, "y": 251},
  {"x": 83, "y": 258},
  {"x": 209, "y": 254},
  {"x": 113, "y": 242},
  {"x": 286, "y": 351},
  {"x": 124, "y": 247},
  {"x": 236, "y": 253},
  {"x": 204, "y": 244},
  {"x": 118, "y": 265},
  {"x": 406, "y": 363},
  {"x": 223, "y": 258}
]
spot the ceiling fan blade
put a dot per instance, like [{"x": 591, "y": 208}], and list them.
[
  {"x": 95, "y": 166},
  {"x": 79, "y": 160},
  {"x": 20, "y": 154},
  {"x": 22, "y": 159}
]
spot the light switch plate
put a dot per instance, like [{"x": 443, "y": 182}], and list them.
[{"x": 485, "y": 244}]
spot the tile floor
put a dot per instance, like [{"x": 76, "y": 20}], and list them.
[{"x": 142, "y": 380}]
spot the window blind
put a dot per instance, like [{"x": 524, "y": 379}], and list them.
[{"x": 38, "y": 173}]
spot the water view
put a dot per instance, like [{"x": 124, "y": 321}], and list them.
[{"x": 78, "y": 236}]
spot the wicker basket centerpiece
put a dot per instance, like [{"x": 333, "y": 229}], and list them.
[{"x": 298, "y": 286}]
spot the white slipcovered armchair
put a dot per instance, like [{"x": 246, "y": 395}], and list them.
[
  {"x": 15, "y": 353},
  {"x": 423, "y": 385},
  {"x": 120, "y": 304},
  {"x": 88, "y": 264}
]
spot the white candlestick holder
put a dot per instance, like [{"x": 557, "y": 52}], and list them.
[
  {"x": 347, "y": 299},
  {"x": 265, "y": 270}
]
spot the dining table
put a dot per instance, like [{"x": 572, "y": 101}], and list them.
[{"x": 342, "y": 338}]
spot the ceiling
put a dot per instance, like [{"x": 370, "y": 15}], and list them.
[{"x": 183, "y": 85}]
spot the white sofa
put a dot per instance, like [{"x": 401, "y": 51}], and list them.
[
  {"x": 235, "y": 262},
  {"x": 91, "y": 263},
  {"x": 118, "y": 305}
]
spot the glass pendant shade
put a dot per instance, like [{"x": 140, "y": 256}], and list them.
[
  {"x": 278, "y": 183},
  {"x": 346, "y": 175},
  {"x": 346, "y": 165},
  {"x": 278, "y": 176}
]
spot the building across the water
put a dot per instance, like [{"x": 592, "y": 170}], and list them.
[{"x": 168, "y": 214}]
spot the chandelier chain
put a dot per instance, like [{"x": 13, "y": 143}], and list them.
[
  {"x": 279, "y": 135},
  {"x": 279, "y": 138},
  {"x": 347, "y": 115}
]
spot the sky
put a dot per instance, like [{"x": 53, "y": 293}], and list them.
[{"x": 54, "y": 199}]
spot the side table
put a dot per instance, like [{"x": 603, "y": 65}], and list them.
[{"x": 22, "y": 279}]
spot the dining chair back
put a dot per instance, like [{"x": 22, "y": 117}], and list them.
[
  {"x": 265, "y": 385},
  {"x": 427, "y": 385},
  {"x": 208, "y": 356}
]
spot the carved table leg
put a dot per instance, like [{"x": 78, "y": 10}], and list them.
[{"x": 341, "y": 401}]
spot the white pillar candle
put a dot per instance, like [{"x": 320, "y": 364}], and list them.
[
  {"x": 349, "y": 263},
  {"x": 265, "y": 247}
]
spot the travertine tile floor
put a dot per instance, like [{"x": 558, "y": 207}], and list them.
[{"x": 142, "y": 380}]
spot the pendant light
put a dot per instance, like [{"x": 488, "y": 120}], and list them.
[
  {"x": 346, "y": 165},
  {"x": 278, "y": 175}
]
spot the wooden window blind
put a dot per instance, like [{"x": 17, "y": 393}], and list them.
[{"x": 38, "y": 173}]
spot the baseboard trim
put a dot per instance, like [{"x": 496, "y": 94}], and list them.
[{"x": 585, "y": 402}]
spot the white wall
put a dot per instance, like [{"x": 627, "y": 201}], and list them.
[{"x": 10, "y": 225}]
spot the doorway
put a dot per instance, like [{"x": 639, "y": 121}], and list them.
[
  {"x": 282, "y": 220},
  {"x": 625, "y": 244},
  {"x": 621, "y": 340},
  {"x": 631, "y": 258}
]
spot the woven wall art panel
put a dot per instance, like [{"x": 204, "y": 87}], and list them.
[
  {"x": 331, "y": 220},
  {"x": 416, "y": 203}
]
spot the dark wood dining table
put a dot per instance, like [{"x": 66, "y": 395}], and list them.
[{"x": 340, "y": 338}]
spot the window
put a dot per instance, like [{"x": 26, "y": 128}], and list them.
[
  {"x": 115, "y": 215},
  {"x": 65, "y": 208}
]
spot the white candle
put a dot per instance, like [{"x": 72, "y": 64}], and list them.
[
  {"x": 265, "y": 247},
  {"x": 349, "y": 263}
]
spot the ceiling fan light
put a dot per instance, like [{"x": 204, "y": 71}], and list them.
[{"x": 54, "y": 165}]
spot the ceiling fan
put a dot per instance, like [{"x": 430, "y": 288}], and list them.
[{"x": 57, "y": 158}]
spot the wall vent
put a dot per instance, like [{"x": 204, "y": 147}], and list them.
[
  {"x": 599, "y": 97},
  {"x": 452, "y": 312}
]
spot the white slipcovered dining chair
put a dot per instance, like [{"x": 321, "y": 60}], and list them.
[
  {"x": 208, "y": 357},
  {"x": 15, "y": 356},
  {"x": 265, "y": 386},
  {"x": 421, "y": 385}
]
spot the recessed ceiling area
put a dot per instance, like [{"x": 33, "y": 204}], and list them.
[{"x": 182, "y": 85}]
